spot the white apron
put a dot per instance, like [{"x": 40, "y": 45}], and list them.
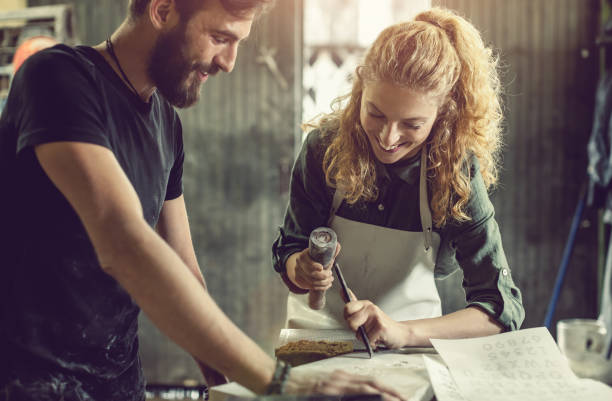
[{"x": 392, "y": 268}]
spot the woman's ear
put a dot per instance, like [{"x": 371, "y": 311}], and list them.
[
  {"x": 163, "y": 14},
  {"x": 359, "y": 72}
]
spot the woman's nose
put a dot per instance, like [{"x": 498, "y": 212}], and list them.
[{"x": 389, "y": 135}]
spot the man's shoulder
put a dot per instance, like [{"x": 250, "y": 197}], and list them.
[
  {"x": 59, "y": 60},
  {"x": 60, "y": 54}
]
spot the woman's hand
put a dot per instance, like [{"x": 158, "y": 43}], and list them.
[
  {"x": 380, "y": 328},
  {"x": 337, "y": 383},
  {"x": 311, "y": 275}
]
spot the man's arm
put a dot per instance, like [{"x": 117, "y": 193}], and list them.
[
  {"x": 158, "y": 280},
  {"x": 173, "y": 227}
]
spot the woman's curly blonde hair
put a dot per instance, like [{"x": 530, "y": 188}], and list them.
[{"x": 438, "y": 54}]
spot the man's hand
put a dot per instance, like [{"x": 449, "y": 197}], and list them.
[{"x": 337, "y": 383}]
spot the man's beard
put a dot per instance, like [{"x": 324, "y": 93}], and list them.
[{"x": 176, "y": 77}]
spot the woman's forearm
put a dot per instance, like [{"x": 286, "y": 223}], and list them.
[
  {"x": 290, "y": 266},
  {"x": 465, "y": 323}
]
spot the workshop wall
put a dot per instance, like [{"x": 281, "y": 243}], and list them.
[
  {"x": 12, "y": 4},
  {"x": 239, "y": 142},
  {"x": 549, "y": 65}
]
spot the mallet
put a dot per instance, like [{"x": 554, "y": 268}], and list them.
[{"x": 322, "y": 248}]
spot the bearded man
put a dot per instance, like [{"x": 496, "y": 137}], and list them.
[{"x": 93, "y": 217}]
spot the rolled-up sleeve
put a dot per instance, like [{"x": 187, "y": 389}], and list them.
[
  {"x": 308, "y": 208},
  {"x": 487, "y": 279}
]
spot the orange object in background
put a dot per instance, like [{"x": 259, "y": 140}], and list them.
[{"x": 29, "y": 47}]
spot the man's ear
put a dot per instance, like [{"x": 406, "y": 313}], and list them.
[{"x": 163, "y": 14}]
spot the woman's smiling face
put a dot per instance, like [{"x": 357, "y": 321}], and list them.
[{"x": 396, "y": 120}]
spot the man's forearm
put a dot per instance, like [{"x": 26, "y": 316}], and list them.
[
  {"x": 211, "y": 376},
  {"x": 161, "y": 284}
]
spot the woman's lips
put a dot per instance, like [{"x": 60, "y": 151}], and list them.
[{"x": 392, "y": 149}]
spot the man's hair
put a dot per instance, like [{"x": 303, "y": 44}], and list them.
[{"x": 186, "y": 7}]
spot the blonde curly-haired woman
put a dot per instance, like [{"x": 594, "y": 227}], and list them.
[{"x": 401, "y": 171}]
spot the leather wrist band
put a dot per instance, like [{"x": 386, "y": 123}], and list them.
[{"x": 279, "y": 380}]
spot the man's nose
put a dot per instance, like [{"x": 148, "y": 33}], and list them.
[
  {"x": 390, "y": 134},
  {"x": 227, "y": 58}
]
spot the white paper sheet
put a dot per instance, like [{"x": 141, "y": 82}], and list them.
[
  {"x": 521, "y": 365},
  {"x": 444, "y": 385},
  {"x": 401, "y": 370}
]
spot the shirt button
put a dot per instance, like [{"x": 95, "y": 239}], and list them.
[
  {"x": 505, "y": 272},
  {"x": 381, "y": 207}
]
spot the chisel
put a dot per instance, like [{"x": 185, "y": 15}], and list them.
[{"x": 347, "y": 299}]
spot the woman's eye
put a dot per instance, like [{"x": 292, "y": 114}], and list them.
[
  {"x": 412, "y": 126},
  {"x": 374, "y": 115}
]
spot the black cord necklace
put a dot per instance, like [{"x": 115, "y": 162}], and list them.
[{"x": 111, "y": 51}]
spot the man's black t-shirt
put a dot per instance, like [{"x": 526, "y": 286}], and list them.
[{"x": 67, "y": 329}]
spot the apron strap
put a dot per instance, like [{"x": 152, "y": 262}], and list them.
[
  {"x": 336, "y": 202},
  {"x": 426, "y": 220},
  {"x": 424, "y": 202}
]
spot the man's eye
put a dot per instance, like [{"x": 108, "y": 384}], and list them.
[{"x": 219, "y": 39}]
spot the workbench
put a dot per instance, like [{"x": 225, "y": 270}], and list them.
[{"x": 404, "y": 370}]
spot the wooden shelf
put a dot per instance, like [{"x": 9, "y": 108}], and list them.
[{"x": 15, "y": 25}]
